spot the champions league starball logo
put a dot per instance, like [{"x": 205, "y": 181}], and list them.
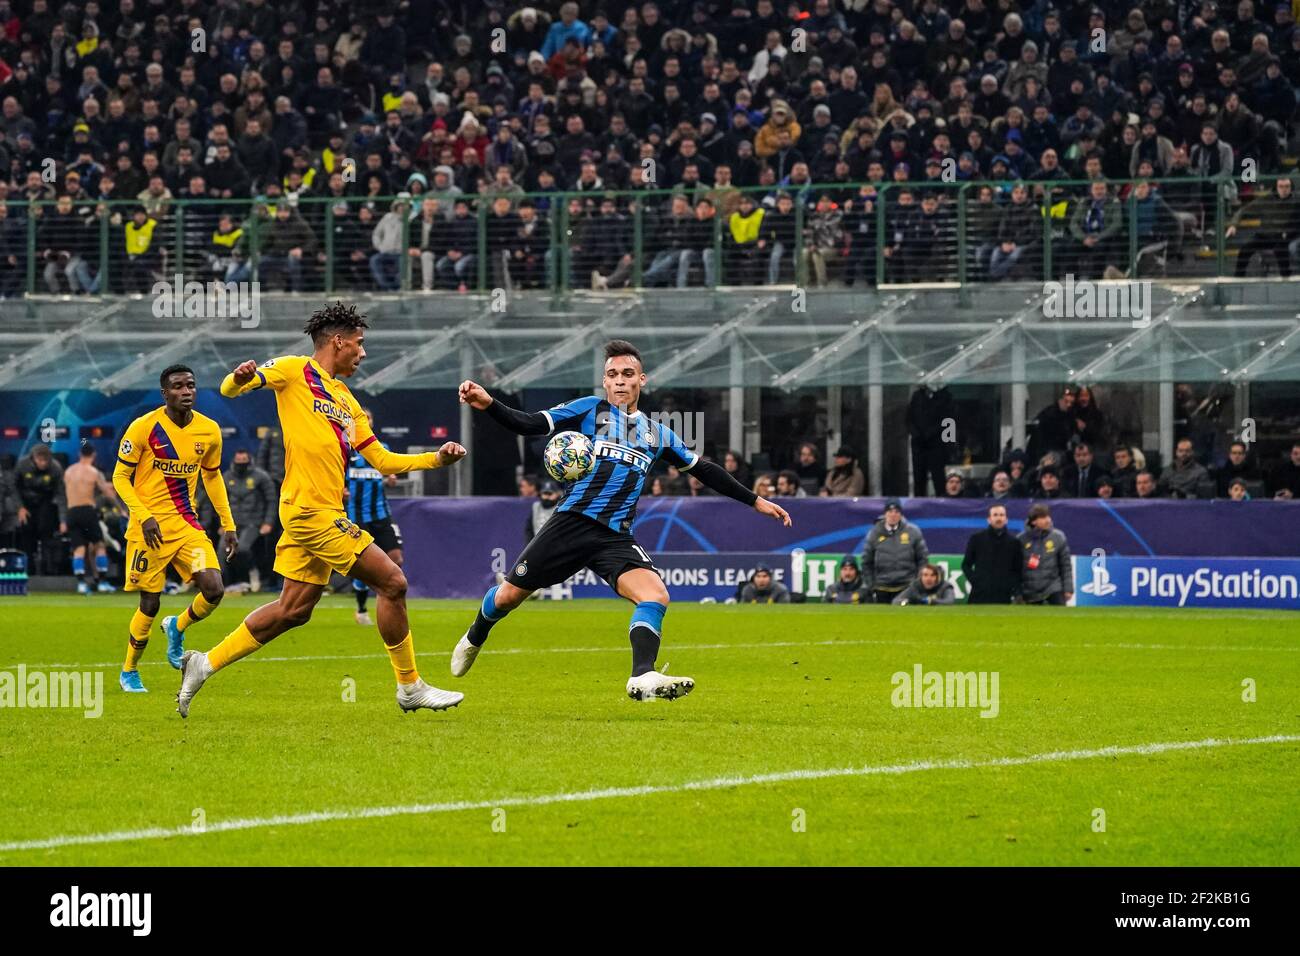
[{"x": 1100, "y": 585}]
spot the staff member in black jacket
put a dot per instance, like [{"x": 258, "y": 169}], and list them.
[
  {"x": 928, "y": 413},
  {"x": 992, "y": 561}
]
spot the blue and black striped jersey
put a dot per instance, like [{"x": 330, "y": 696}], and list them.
[
  {"x": 627, "y": 447},
  {"x": 366, "y": 500}
]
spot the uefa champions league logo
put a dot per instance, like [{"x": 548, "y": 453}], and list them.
[{"x": 1100, "y": 585}]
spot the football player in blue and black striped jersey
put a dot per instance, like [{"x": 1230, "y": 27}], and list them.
[
  {"x": 368, "y": 507},
  {"x": 592, "y": 526}
]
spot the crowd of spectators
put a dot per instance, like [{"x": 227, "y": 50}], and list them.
[{"x": 383, "y": 133}]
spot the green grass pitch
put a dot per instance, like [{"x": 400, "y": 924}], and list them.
[{"x": 790, "y": 751}]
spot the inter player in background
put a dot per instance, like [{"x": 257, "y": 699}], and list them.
[
  {"x": 322, "y": 423},
  {"x": 80, "y": 484},
  {"x": 158, "y": 466},
  {"x": 368, "y": 507},
  {"x": 592, "y": 524}
]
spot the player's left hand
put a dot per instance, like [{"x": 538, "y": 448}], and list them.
[
  {"x": 451, "y": 453},
  {"x": 765, "y": 507},
  {"x": 230, "y": 543}
]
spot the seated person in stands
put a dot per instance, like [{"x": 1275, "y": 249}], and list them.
[
  {"x": 929, "y": 587},
  {"x": 849, "y": 588},
  {"x": 764, "y": 588}
]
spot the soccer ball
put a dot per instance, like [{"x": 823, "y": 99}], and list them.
[{"x": 569, "y": 456}]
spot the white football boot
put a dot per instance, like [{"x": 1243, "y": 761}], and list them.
[
  {"x": 653, "y": 684},
  {"x": 462, "y": 658},
  {"x": 413, "y": 697},
  {"x": 195, "y": 669}
]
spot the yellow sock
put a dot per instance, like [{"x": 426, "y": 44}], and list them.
[
  {"x": 197, "y": 611},
  {"x": 238, "y": 644},
  {"x": 140, "y": 626},
  {"x": 403, "y": 658}
]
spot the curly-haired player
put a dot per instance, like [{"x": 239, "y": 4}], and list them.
[{"x": 322, "y": 425}]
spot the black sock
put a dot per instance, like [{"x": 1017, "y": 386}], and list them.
[
  {"x": 361, "y": 601},
  {"x": 478, "y": 631},
  {"x": 645, "y": 649}
]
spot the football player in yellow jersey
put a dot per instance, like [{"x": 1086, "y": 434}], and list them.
[
  {"x": 159, "y": 463},
  {"x": 322, "y": 425}
]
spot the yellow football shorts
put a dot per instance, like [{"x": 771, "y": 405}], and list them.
[
  {"x": 315, "y": 542},
  {"x": 146, "y": 568}
]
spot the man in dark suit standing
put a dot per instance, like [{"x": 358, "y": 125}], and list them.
[
  {"x": 992, "y": 562},
  {"x": 926, "y": 415}
]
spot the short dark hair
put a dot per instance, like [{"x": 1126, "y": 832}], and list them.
[
  {"x": 241, "y": 450},
  {"x": 87, "y": 450},
  {"x": 617, "y": 347},
  {"x": 333, "y": 319},
  {"x": 171, "y": 370},
  {"x": 996, "y": 504},
  {"x": 1037, "y": 511},
  {"x": 1236, "y": 443}
]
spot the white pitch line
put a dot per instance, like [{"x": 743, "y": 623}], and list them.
[
  {"x": 608, "y": 793},
  {"x": 757, "y": 645}
]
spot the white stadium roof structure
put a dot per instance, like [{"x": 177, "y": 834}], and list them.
[{"x": 739, "y": 337}]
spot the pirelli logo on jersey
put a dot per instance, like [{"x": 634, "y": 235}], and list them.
[
  {"x": 170, "y": 466},
  {"x": 628, "y": 456}
]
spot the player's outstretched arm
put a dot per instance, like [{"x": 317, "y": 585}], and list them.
[
  {"x": 521, "y": 423},
  {"x": 392, "y": 463},
  {"x": 242, "y": 379},
  {"x": 773, "y": 510},
  {"x": 714, "y": 476}
]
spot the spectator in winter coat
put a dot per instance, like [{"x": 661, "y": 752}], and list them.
[
  {"x": 892, "y": 554},
  {"x": 385, "y": 263},
  {"x": 928, "y": 413},
  {"x": 1279, "y": 227},
  {"x": 1054, "y": 426},
  {"x": 1046, "y": 576},
  {"x": 992, "y": 563},
  {"x": 1240, "y": 465},
  {"x": 1123, "y": 471},
  {"x": 1284, "y": 482},
  {"x": 1185, "y": 477},
  {"x": 848, "y": 588},
  {"x": 763, "y": 588},
  {"x": 845, "y": 479},
  {"x": 929, "y": 587}
]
